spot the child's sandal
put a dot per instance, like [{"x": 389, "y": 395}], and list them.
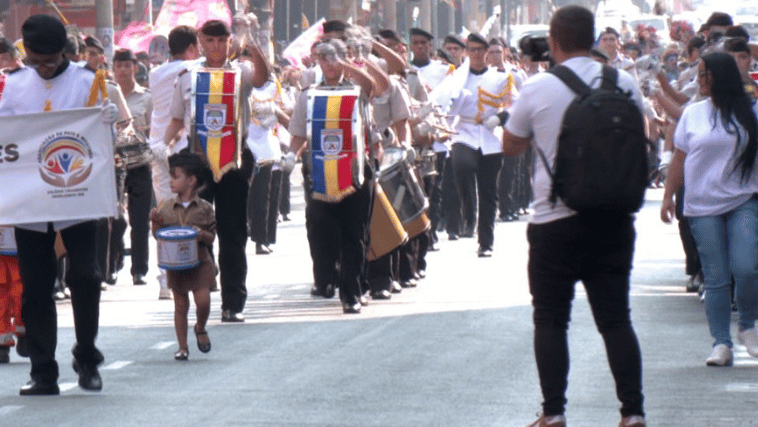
[
  {"x": 181, "y": 354},
  {"x": 205, "y": 346}
]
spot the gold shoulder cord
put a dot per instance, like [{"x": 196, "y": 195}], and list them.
[
  {"x": 495, "y": 101},
  {"x": 98, "y": 86}
]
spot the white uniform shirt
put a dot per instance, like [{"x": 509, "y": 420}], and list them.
[
  {"x": 712, "y": 185},
  {"x": 260, "y": 138},
  {"x": 538, "y": 114},
  {"x": 162, "y": 81},
  {"x": 483, "y": 96},
  {"x": 622, "y": 62},
  {"x": 432, "y": 73},
  {"x": 26, "y": 92}
]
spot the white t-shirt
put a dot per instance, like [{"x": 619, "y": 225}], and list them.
[
  {"x": 712, "y": 186},
  {"x": 162, "y": 81},
  {"x": 538, "y": 114}
]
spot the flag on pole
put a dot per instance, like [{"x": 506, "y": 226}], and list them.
[
  {"x": 304, "y": 22},
  {"x": 301, "y": 46}
]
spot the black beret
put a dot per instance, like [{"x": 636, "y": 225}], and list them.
[
  {"x": 719, "y": 18},
  {"x": 422, "y": 33},
  {"x": 334, "y": 26},
  {"x": 389, "y": 33},
  {"x": 442, "y": 54},
  {"x": 216, "y": 28},
  {"x": 477, "y": 38},
  {"x": 124, "y": 55},
  {"x": 91, "y": 41},
  {"x": 452, "y": 38},
  {"x": 44, "y": 34},
  {"x": 497, "y": 41}
]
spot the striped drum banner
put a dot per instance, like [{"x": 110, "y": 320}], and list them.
[
  {"x": 216, "y": 114},
  {"x": 336, "y": 143}
]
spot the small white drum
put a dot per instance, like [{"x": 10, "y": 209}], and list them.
[
  {"x": 7, "y": 240},
  {"x": 177, "y": 248}
]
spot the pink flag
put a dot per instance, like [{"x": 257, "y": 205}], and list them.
[
  {"x": 301, "y": 46},
  {"x": 137, "y": 35}
]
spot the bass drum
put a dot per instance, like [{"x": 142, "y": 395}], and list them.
[{"x": 406, "y": 197}]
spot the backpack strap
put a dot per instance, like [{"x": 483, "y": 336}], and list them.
[
  {"x": 610, "y": 78},
  {"x": 570, "y": 79}
]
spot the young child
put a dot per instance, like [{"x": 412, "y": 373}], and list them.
[{"x": 188, "y": 210}]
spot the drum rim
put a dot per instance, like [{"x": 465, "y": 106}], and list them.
[{"x": 191, "y": 235}]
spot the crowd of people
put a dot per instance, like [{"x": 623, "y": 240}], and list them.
[{"x": 398, "y": 144}]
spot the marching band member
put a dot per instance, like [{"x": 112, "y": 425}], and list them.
[
  {"x": 336, "y": 226},
  {"x": 138, "y": 181},
  {"x": 182, "y": 44},
  {"x": 476, "y": 152},
  {"x": 454, "y": 46},
  {"x": 51, "y": 82},
  {"x": 230, "y": 192}
]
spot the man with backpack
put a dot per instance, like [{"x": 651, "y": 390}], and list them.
[{"x": 591, "y": 156}]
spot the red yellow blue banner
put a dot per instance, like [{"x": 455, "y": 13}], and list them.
[
  {"x": 215, "y": 116},
  {"x": 333, "y": 150}
]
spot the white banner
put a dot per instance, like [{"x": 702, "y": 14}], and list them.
[{"x": 56, "y": 166}]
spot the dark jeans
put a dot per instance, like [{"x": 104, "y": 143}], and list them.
[
  {"x": 476, "y": 179},
  {"x": 38, "y": 267},
  {"x": 598, "y": 251},
  {"x": 691, "y": 256},
  {"x": 337, "y": 232},
  {"x": 139, "y": 193}
]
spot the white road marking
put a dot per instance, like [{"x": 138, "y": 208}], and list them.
[
  {"x": 163, "y": 345},
  {"x": 9, "y": 409},
  {"x": 271, "y": 296},
  {"x": 742, "y": 387},
  {"x": 67, "y": 386},
  {"x": 117, "y": 365}
]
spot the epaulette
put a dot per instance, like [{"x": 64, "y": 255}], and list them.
[
  {"x": 450, "y": 68},
  {"x": 182, "y": 72},
  {"x": 412, "y": 71}
]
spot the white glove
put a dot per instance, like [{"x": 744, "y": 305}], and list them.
[
  {"x": 110, "y": 112},
  {"x": 425, "y": 110},
  {"x": 491, "y": 122},
  {"x": 288, "y": 162},
  {"x": 665, "y": 159}
]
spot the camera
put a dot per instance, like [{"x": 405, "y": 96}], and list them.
[{"x": 537, "y": 48}]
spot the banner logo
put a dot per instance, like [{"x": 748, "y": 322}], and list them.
[
  {"x": 65, "y": 159},
  {"x": 215, "y": 116},
  {"x": 331, "y": 141}
]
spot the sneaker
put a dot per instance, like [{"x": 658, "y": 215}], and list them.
[
  {"x": 749, "y": 338},
  {"x": 633, "y": 421},
  {"x": 164, "y": 294},
  {"x": 720, "y": 356},
  {"x": 549, "y": 421}
]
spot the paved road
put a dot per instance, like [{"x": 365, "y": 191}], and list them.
[{"x": 456, "y": 351}]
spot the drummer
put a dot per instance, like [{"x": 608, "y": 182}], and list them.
[
  {"x": 230, "y": 193},
  {"x": 345, "y": 220}
]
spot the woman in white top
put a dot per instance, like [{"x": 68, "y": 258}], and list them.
[{"x": 715, "y": 155}]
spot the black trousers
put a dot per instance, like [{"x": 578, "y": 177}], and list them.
[
  {"x": 38, "y": 267},
  {"x": 507, "y": 186},
  {"x": 337, "y": 234},
  {"x": 229, "y": 196},
  {"x": 139, "y": 193},
  {"x": 433, "y": 188},
  {"x": 598, "y": 251},
  {"x": 284, "y": 200},
  {"x": 262, "y": 204},
  {"x": 476, "y": 179},
  {"x": 451, "y": 204}
]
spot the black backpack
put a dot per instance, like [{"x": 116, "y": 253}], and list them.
[{"x": 601, "y": 164}]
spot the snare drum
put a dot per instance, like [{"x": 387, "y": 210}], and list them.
[
  {"x": 177, "y": 248},
  {"x": 406, "y": 197},
  {"x": 7, "y": 240},
  {"x": 386, "y": 232}
]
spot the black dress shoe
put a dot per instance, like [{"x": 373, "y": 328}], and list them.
[
  {"x": 395, "y": 287},
  {"x": 5, "y": 354},
  {"x": 384, "y": 294},
  {"x": 421, "y": 274},
  {"x": 111, "y": 279},
  {"x": 228, "y": 317},
  {"x": 468, "y": 232},
  {"x": 484, "y": 252},
  {"x": 410, "y": 283},
  {"x": 363, "y": 300},
  {"x": 89, "y": 377},
  {"x": 139, "y": 279},
  {"x": 325, "y": 292},
  {"x": 39, "y": 388},
  {"x": 351, "y": 307},
  {"x": 261, "y": 249},
  {"x": 452, "y": 236}
]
